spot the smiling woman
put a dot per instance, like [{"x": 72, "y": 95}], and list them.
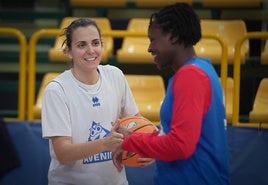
[
  {"x": 77, "y": 113},
  {"x": 190, "y": 146},
  {"x": 85, "y": 52}
]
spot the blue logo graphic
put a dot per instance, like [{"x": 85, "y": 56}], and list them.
[
  {"x": 96, "y": 132},
  {"x": 95, "y": 101}
]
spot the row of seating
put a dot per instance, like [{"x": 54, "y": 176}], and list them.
[
  {"x": 229, "y": 106},
  {"x": 61, "y": 8},
  {"x": 134, "y": 49},
  {"x": 149, "y": 103},
  {"x": 141, "y": 86},
  {"x": 160, "y": 3},
  {"x": 214, "y": 6}
]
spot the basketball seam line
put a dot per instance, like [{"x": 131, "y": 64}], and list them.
[{"x": 141, "y": 127}]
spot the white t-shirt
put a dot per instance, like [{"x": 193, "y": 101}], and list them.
[{"x": 85, "y": 112}]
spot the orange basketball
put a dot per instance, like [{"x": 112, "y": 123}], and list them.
[{"x": 135, "y": 124}]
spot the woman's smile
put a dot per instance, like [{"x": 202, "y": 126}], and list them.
[{"x": 90, "y": 59}]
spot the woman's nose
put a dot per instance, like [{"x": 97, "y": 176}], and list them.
[{"x": 90, "y": 49}]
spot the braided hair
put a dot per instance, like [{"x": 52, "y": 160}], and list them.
[{"x": 181, "y": 21}]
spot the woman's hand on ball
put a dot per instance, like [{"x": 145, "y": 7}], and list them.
[{"x": 121, "y": 129}]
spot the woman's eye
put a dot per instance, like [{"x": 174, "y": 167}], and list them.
[
  {"x": 96, "y": 43},
  {"x": 81, "y": 45}
]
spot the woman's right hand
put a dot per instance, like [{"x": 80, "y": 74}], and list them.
[{"x": 114, "y": 139}]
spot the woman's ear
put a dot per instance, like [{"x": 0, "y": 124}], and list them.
[
  {"x": 174, "y": 40},
  {"x": 68, "y": 52}
]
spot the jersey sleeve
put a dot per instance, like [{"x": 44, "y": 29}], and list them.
[
  {"x": 192, "y": 96},
  {"x": 55, "y": 117}
]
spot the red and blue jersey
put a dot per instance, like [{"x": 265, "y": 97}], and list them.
[{"x": 191, "y": 146}]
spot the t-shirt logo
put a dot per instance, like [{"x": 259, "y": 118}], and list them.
[
  {"x": 96, "y": 131},
  {"x": 95, "y": 101}
]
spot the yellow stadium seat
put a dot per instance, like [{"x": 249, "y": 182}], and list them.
[
  {"x": 264, "y": 54},
  {"x": 100, "y": 3},
  {"x": 56, "y": 53},
  {"x": 149, "y": 92},
  {"x": 231, "y": 3},
  {"x": 38, "y": 105},
  {"x": 230, "y": 31},
  {"x": 159, "y": 3},
  {"x": 259, "y": 113},
  {"x": 135, "y": 49}
]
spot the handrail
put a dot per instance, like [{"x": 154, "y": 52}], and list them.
[
  {"x": 114, "y": 33},
  {"x": 224, "y": 59},
  {"x": 22, "y": 69},
  {"x": 32, "y": 66},
  {"x": 236, "y": 73}
]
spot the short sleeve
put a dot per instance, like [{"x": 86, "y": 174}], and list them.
[{"x": 55, "y": 112}]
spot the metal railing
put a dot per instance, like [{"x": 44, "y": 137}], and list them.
[
  {"x": 22, "y": 69},
  {"x": 237, "y": 76}
]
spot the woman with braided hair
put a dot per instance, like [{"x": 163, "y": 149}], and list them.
[{"x": 191, "y": 145}]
